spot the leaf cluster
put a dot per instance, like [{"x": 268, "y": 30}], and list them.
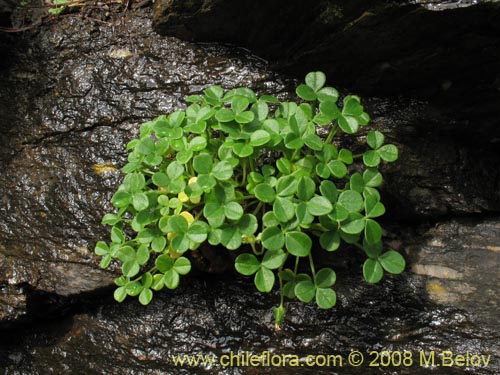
[{"x": 250, "y": 173}]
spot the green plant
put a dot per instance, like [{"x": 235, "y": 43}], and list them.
[{"x": 250, "y": 173}]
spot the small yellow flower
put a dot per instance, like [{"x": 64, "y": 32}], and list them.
[
  {"x": 189, "y": 218},
  {"x": 183, "y": 197}
]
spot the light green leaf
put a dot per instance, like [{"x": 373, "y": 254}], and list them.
[
  {"x": 388, "y": 153},
  {"x": 392, "y": 261},
  {"x": 247, "y": 264},
  {"x": 273, "y": 238},
  {"x": 326, "y": 298},
  {"x": 375, "y": 139},
  {"x": 264, "y": 280},
  {"x": 274, "y": 259},
  {"x": 305, "y": 92},
  {"x": 298, "y": 243},
  {"x": 146, "y": 296},
  {"x": 315, "y": 80},
  {"x": 325, "y": 278},
  {"x": 305, "y": 291},
  {"x": 284, "y": 209},
  {"x": 351, "y": 200},
  {"x": 182, "y": 266},
  {"x": 319, "y": 206},
  {"x": 265, "y": 193},
  {"x": 373, "y": 231},
  {"x": 259, "y": 138},
  {"x": 372, "y": 271}
]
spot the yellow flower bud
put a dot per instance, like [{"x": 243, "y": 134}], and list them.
[
  {"x": 182, "y": 197},
  {"x": 192, "y": 180},
  {"x": 188, "y": 217},
  {"x": 195, "y": 200}
]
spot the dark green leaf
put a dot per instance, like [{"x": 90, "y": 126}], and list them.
[
  {"x": 329, "y": 190},
  {"x": 306, "y": 188}
]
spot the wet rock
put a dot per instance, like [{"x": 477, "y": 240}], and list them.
[
  {"x": 376, "y": 47},
  {"x": 455, "y": 261},
  {"x": 63, "y": 140}
]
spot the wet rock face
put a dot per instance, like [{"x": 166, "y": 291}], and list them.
[
  {"x": 63, "y": 140},
  {"x": 215, "y": 316},
  {"x": 74, "y": 93},
  {"x": 379, "y": 47}
]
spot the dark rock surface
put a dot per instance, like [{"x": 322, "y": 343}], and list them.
[
  {"x": 377, "y": 47},
  {"x": 216, "y": 316},
  {"x": 74, "y": 94}
]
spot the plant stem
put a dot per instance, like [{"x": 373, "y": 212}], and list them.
[
  {"x": 311, "y": 264},
  {"x": 333, "y": 131},
  {"x": 258, "y": 207},
  {"x": 297, "y": 259}
]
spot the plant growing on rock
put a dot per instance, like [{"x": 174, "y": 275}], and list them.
[{"x": 251, "y": 174}]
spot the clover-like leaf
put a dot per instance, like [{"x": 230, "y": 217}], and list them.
[
  {"x": 274, "y": 259},
  {"x": 375, "y": 139},
  {"x": 298, "y": 243},
  {"x": 273, "y": 238},
  {"x": 315, "y": 80},
  {"x": 325, "y": 278},
  {"x": 319, "y": 205},
  {"x": 265, "y": 193},
  {"x": 372, "y": 271},
  {"x": 392, "y": 261},
  {"x": 388, "y": 153},
  {"x": 264, "y": 280},
  {"x": 247, "y": 264},
  {"x": 305, "y": 291},
  {"x": 326, "y": 298}
]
